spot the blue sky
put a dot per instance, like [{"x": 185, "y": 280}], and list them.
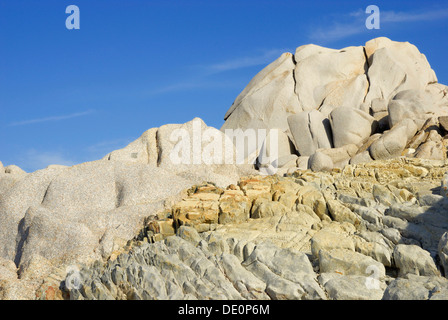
[{"x": 70, "y": 96}]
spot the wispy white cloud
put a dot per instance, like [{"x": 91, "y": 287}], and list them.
[
  {"x": 52, "y": 118},
  {"x": 179, "y": 86},
  {"x": 353, "y": 23},
  {"x": 34, "y": 160},
  {"x": 245, "y": 62},
  {"x": 201, "y": 78},
  {"x": 392, "y": 16},
  {"x": 336, "y": 31},
  {"x": 100, "y": 149},
  {"x": 199, "y": 82}
]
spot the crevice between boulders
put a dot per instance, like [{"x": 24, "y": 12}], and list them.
[
  {"x": 158, "y": 148},
  {"x": 20, "y": 243},
  {"x": 366, "y": 73},
  {"x": 294, "y": 77}
]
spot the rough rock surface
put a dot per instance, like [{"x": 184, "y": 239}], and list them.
[
  {"x": 319, "y": 161},
  {"x": 61, "y": 215},
  {"x": 370, "y": 231},
  {"x": 311, "y": 131},
  {"x": 351, "y": 126},
  {"x": 363, "y": 92},
  {"x": 171, "y": 217}
]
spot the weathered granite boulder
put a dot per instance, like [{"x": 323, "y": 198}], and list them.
[
  {"x": 311, "y": 131},
  {"x": 351, "y": 126},
  {"x": 415, "y": 260},
  {"x": 361, "y": 91},
  {"x": 267, "y": 100},
  {"x": 413, "y": 104},
  {"x": 329, "y": 78},
  {"x": 392, "y": 143},
  {"x": 395, "y": 66},
  {"x": 319, "y": 161}
]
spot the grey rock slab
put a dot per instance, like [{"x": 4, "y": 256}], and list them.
[
  {"x": 415, "y": 260},
  {"x": 311, "y": 131},
  {"x": 443, "y": 252},
  {"x": 347, "y": 262},
  {"x": 244, "y": 281},
  {"x": 351, "y": 287},
  {"x": 328, "y": 240},
  {"x": 288, "y": 264},
  {"x": 414, "y": 287}
]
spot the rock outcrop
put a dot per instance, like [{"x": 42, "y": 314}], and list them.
[
  {"x": 363, "y": 92},
  {"x": 368, "y": 232},
  {"x": 356, "y": 211},
  {"x": 61, "y": 215}
]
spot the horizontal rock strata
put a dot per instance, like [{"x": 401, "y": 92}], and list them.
[{"x": 365, "y": 232}]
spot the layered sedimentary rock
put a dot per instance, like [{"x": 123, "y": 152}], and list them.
[{"x": 371, "y": 231}]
